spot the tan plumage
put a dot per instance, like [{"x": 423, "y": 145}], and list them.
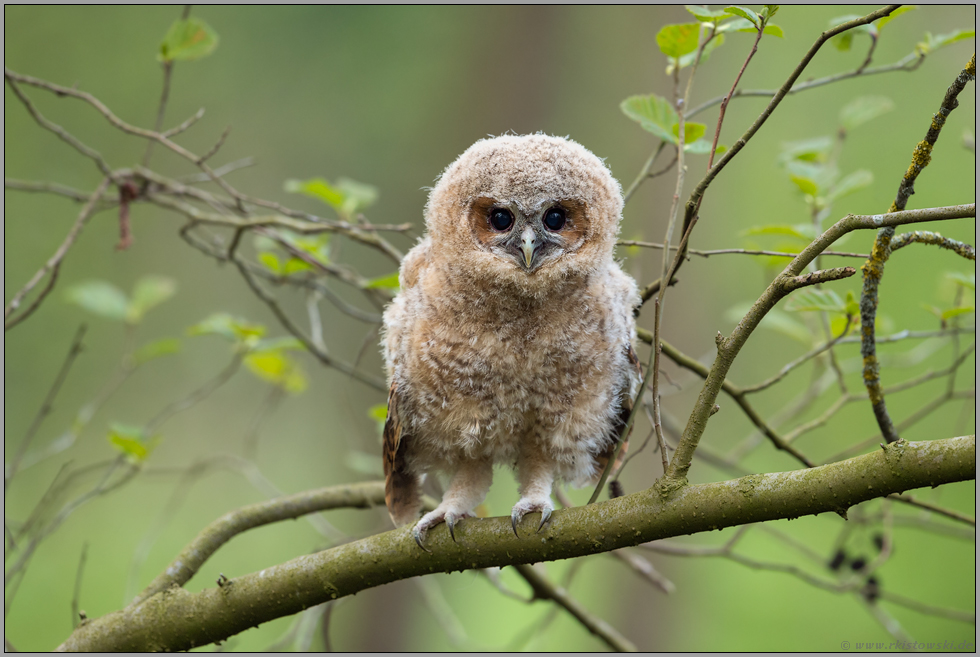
[{"x": 509, "y": 342}]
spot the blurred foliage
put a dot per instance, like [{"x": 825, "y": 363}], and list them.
[{"x": 391, "y": 95}]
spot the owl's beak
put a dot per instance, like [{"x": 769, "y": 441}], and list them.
[{"x": 527, "y": 246}]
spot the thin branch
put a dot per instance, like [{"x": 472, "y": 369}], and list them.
[
  {"x": 76, "y": 348},
  {"x": 63, "y": 134},
  {"x": 545, "y": 590},
  {"x": 927, "y": 237},
  {"x": 949, "y": 513},
  {"x": 910, "y": 62},
  {"x": 195, "y": 397},
  {"x": 705, "y": 254},
  {"x": 76, "y": 614},
  {"x": 728, "y": 97},
  {"x": 53, "y": 264}
]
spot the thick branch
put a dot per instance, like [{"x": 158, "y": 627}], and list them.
[{"x": 178, "y": 620}]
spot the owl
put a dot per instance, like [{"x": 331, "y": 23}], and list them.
[{"x": 510, "y": 341}]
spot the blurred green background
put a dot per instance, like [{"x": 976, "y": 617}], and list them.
[{"x": 389, "y": 96}]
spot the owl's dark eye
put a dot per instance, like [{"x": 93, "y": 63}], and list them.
[
  {"x": 554, "y": 219},
  {"x": 501, "y": 218}
]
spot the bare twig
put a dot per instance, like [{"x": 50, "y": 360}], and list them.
[
  {"x": 705, "y": 254},
  {"x": 46, "y": 406},
  {"x": 53, "y": 264},
  {"x": 76, "y": 614}
]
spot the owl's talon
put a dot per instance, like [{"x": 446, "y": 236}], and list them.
[
  {"x": 545, "y": 515},
  {"x": 515, "y": 518},
  {"x": 451, "y": 523},
  {"x": 419, "y": 537}
]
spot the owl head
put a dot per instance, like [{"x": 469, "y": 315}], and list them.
[{"x": 528, "y": 211}]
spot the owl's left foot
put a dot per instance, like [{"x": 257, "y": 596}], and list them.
[
  {"x": 432, "y": 519},
  {"x": 528, "y": 505}
]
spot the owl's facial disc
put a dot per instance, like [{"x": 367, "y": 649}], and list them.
[{"x": 529, "y": 240}]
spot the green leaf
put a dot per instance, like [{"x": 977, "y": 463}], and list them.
[
  {"x": 844, "y": 40},
  {"x": 223, "y": 324},
  {"x": 379, "y": 413},
  {"x": 294, "y": 265},
  {"x": 317, "y": 188},
  {"x": 679, "y": 39},
  {"x": 357, "y": 196},
  {"x": 806, "y": 150},
  {"x": 346, "y": 196},
  {"x": 745, "y": 13},
  {"x": 271, "y": 262},
  {"x": 100, "y": 297},
  {"x": 864, "y": 109},
  {"x": 885, "y": 20},
  {"x": 705, "y": 15},
  {"x": 390, "y": 281},
  {"x": 805, "y": 232},
  {"x": 275, "y": 366},
  {"x": 699, "y": 147},
  {"x": 148, "y": 292},
  {"x": 132, "y": 442},
  {"x": 769, "y": 12},
  {"x": 775, "y": 320},
  {"x": 806, "y": 185},
  {"x": 966, "y": 280},
  {"x": 156, "y": 349},
  {"x": 188, "y": 39},
  {"x": 953, "y": 312},
  {"x": 933, "y": 43},
  {"x": 773, "y": 30},
  {"x": 654, "y": 114},
  {"x": 813, "y": 299},
  {"x": 840, "y": 322},
  {"x": 851, "y": 183},
  {"x": 851, "y": 305},
  {"x": 686, "y": 60},
  {"x": 692, "y": 132}
]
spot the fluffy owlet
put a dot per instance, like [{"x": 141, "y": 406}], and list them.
[{"x": 511, "y": 339}]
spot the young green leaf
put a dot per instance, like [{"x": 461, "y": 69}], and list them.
[
  {"x": 954, "y": 312},
  {"x": 132, "y": 442},
  {"x": 357, "y": 196},
  {"x": 317, "y": 188},
  {"x": 864, "y": 109},
  {"x": 851, "y": 183},
  {"x": 148, "y": 292},
  {"x": 100, "y": 297},
  {"x": 389, "y": 281},
  {"x": 851, "y": 305},
  {"x": 678, "y": 40},
  {"x": 294, "y": 265},
  {"x": 654, "y": 114},
  {"x": 379, "y": 413},
  {"x": 282, "y": 343},
  {"x": 699, "y": 147},
  {"x": 933, "y": 43},
  {"x": 966, "y": 280},
  {"x": 188, "y": 39},
  {"x": 806, "y": 185},
  {"x": 885, "y": 20},
  {"x": 692, "y": 131},
  {"x": 686, "y": 60},
  {"x": 276, "y": 367},
  {"x": 804, "y": 232},
  {"x": 271, "y": 262},
  {"x": 745, "y": 13},
  {"x": 705, "y": 15},
  {"x": 775, "y": 320},
  {"x": 156, "y": 349},
  {"x": 807, "y": 150},
  {"x": 223, "y": 324},
  {"x": 813, "y": 299}
]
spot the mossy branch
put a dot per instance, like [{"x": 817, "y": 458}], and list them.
[
  {"x": 788, "y": 280},
  {"x": 874, "y": 268},
  {"x": 178, "y": 620}
]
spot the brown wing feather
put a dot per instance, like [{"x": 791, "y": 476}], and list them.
[
  {"x": 616, "y": 431},
  {"x": 402, "y": 492}
]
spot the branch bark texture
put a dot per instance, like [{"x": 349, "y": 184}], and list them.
[{"x": 175, "y": 619}]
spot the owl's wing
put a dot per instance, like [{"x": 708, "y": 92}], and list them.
[
  {"x": 624, "y": 415},
  {"x": 402, "y": 493}
]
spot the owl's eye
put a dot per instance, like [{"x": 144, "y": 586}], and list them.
[
  {"x": 554, "y": 219},
  {"x": 501, "y": 218}
]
